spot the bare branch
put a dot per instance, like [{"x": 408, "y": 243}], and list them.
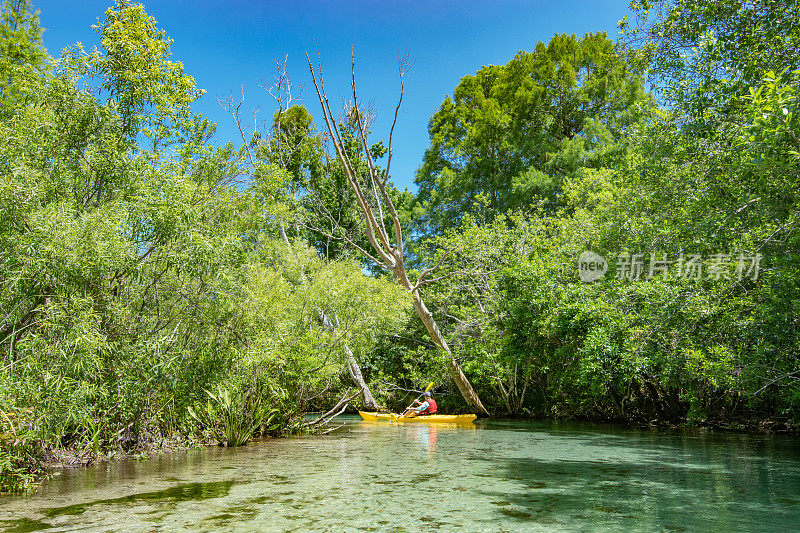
[
  {"x": 340, "y": 406},
  {"x": 373, "y": 172},
  {"x": 349, "y": 241},
  {"x": 234, "y": 109},
  {"x": 404, "y": 64},
  {"x": 427, "y": 271},
  {"x": 776, "y": 380},
  {"x": 349, "y": 170},
  {"x": 337, "y": 427},
  {"x": 455, "y": 273}
]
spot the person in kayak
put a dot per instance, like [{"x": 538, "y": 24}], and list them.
[{"x": 428, "y": 407}]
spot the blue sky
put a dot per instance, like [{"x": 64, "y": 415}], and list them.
[{"x": 230, "y": 44}]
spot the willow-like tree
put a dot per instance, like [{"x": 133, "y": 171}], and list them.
[
  {"x": 23, "y": 57},
  {"x": 375, "y": 202}
]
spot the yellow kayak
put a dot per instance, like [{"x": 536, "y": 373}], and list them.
[{"x": 435, "y": 419}]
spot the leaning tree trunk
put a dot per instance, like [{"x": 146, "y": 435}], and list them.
[
  {"x": 355, "y": 373},
  {"x": 453, "y": 368},
  {"x": 352, "y": 364},
  {"x": 372, "y": 197}
]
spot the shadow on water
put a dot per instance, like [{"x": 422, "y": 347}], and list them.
[{"x": 610, "y": 434}]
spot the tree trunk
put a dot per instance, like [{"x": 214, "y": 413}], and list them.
[
  {"x": 283, "y": 235},
  {"x": 453, "y": 368},
  {"x": 352, "y": 364},
  {"x": 355, "y": 373},
  {"x": 389, "y": 256}
]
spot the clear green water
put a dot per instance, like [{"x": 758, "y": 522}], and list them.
[{"x": 497, "y": 476}]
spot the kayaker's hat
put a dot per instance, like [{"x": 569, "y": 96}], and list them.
[{"x": 427, "y": 394}]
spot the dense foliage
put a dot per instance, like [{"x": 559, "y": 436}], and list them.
[
  {"x": 516, "y": 131},
  {"x": 691, "y": 198},
  {"x": 140, "y": 279}
]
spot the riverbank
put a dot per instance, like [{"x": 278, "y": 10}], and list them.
[{"x": 766, "y": 426}]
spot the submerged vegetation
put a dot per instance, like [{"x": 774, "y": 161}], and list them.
[{"x": 159, "y": 287}]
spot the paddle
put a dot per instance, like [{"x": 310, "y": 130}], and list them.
[{"x": 429, "y": 387}]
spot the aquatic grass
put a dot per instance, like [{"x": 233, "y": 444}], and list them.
[
  {"x": 174, "y": 494},
  {"x": 233, "y": 418}
]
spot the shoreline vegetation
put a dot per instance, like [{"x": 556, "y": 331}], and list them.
[{"x": 603, "y": 230}]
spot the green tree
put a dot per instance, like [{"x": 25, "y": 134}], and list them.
[
  {"x": 150, "y": 92},
  {"x": 704, "y": 56},
  {"x": 22, "y": 55},
  {"x": 511, "y": 133}
]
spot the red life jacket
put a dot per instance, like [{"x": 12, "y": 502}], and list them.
[{"x": 431, "y": 407}]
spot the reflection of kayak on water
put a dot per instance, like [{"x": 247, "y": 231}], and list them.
[{"x": 430, "y": 419}]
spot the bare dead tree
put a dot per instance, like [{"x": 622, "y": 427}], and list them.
[
  {"x": 374, "y": 201},
  {"x": 281, "y": 91}
]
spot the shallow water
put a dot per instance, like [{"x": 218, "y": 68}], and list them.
[{"x": 495, "y": 476}]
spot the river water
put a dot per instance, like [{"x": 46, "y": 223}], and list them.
[{"x": 492, "y": 476}]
